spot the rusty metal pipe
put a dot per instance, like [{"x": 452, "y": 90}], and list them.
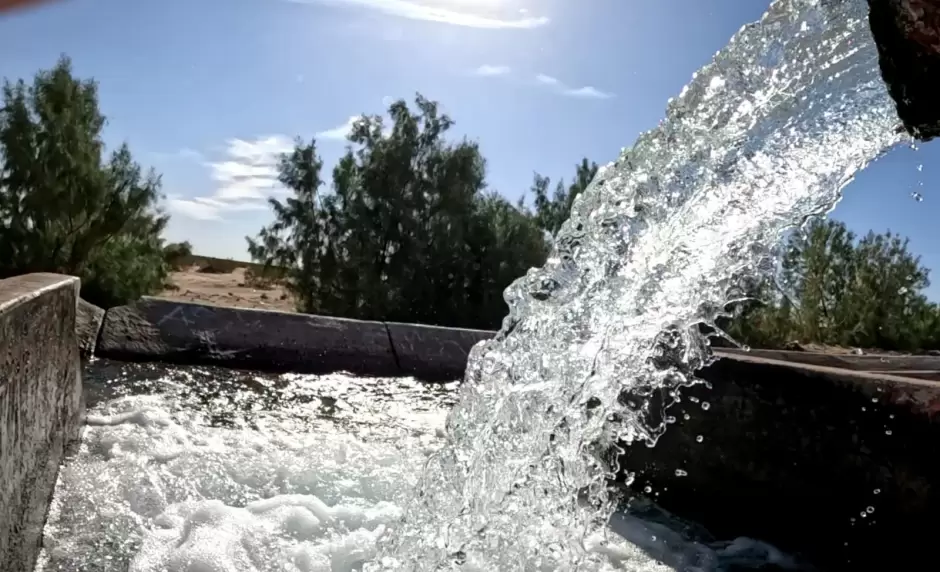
[
  {"x": 14, "y": 4},
  {"x": 907, "y": 33}
]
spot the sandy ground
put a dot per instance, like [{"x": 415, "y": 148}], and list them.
[{"x": 226, "y": 289}]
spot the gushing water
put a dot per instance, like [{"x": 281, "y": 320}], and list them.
[{"x": 762, "y": 138}]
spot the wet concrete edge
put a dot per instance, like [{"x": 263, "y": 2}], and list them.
[{"x": 41, "y": 405}]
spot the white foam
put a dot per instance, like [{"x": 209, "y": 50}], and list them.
[{"x": 155, "y": 488}]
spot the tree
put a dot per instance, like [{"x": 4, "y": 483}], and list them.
[
  {"x": 177, "y": 253},
  {"x": 551, "y": 213},
  {"x": 407, "y": 232},
  {"x": 835, "y": 289},
  {"x": 63, "y": 208}
]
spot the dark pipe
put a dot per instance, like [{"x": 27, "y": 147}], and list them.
[{"x": 907, "y": 33}]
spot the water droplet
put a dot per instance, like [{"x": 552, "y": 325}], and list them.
[
  {"x": 891, "y": 416},
  {"x": 699, "y": 439},
  {"x": 864, "y": 409},
  {"x": 870, "y": 509},
  {"x": 920, "y": 167},
  {"x": 877, "y": 491},
  {"x": 902, "y": 290},
  {"x": 874, "y": 400},
  {"x": 863, "y": 514},
  {"x": 746, "y": 348},
  {"x": 686, "y": 416},
  {"x": 653, "y": 538},
  {"x": 647, "y": 489},
  {"x": 706, "y": 405},
  {"x": 917, "y": 196},
  {"x": 681, "y": 473},
  {"x": 888, "y": 432}
]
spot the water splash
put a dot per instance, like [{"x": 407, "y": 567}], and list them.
[{"x": 597, "y": 341}]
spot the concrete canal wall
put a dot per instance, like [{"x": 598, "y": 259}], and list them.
[
  {"x": 40, "y": 404},
  {"x": 840, "y": 467},
  {"x": 154, "y": 329},
  {"x": 791, "y": 453}
]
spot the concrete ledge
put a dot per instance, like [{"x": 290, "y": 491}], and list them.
[
  {"x": 794, "y": 454},
  {"x": 868, "y": 362},
  {"x": 431, "y": 352},
  {"x": 154, "y": 329},
  {"x": 40, "y": 404}
]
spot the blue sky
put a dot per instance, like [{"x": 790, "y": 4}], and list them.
[{"x": 208, "y": 91}]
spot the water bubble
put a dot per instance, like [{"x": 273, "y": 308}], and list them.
[
  {"x": 877, "y": 491},
  {"x": 920, "y": 167},
  {"x": 870, "y": 509},
  {"x": 917, "y": 196},
  {"x": 647, "y": 489},
  {"x": 902, "y": 290},
  {"x": 888, "y": 432},
  {"x": 699, "y": 439},
  {"x": 681, "y": 473},
  {"x": 874, "y": 400},
  {"x": 746, "y": 348},
  {"x": 686, "y": 416},
  {"x": 706, "y": 406},
  {"x": 891, "y": 416}
]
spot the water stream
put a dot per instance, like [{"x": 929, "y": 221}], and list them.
[
  {"x": 764, "y": 136},
  {"x": 517, "y": 478}
]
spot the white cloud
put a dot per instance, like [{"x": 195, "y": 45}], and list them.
[
  {"x": 250, "y": 170},
  {"x": 340, "y": 132},
  {"x": 489, "y": 70},
  {"x": 246, "y": 176},
  {"x": 413, "y": 10},
  {"x": 205, "y": 208},
  {"x": 589, "y": 91},
  {"x": 547, "y": 79},
  {"x": 585, "y": 92},
  {"x": 193, "y": 209}
]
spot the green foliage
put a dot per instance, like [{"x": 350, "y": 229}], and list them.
[
  {"x": 551, "y": 213},
  {"x": 63, "y": 207},
  {"x": 834, "y": 289},
  {"x": 176, "y": 253},
  {"x": 408, "y": 231}
]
